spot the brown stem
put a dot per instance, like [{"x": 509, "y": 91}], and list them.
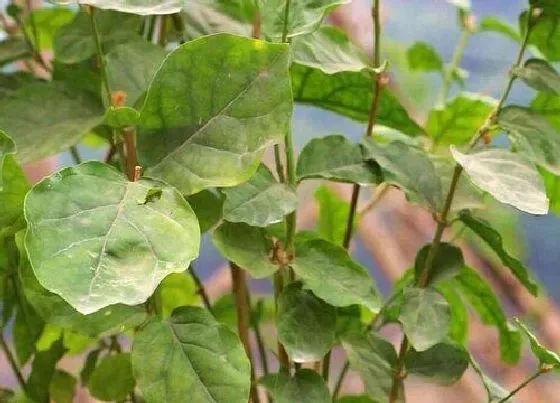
[
  {"x": 283, "y": 358},
  {"x": 525, "y": 383},
  {"x": 129, "y": 136}
]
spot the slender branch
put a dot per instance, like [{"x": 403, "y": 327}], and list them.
[
  {"x": 11, "y": 360},
  {"x": 75, "y": 155},
  {"x": 340, "y": 380},
  {"x": 526, "y": 382},
  {"x": 179, "y": 26},
  {"x": 399, "y": 375},
  {"x": 100, "y": 55},
  {"x": 326, "y": 366},
  {"x": 283, "y": 358},
  {"x": 200, "y": 289},
  {"x": 456, "y": 59},
  {"x": 259, "y": 339},
  {"x": 286, "y": 21}
]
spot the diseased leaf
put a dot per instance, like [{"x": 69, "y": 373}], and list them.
[
  {"x": 545, "y": 356},
  {"x": 62, "y": 387},
  {"x": 190, "y": 357},
  {"x": 104, "y": 247},
  {"x": 447, "y": 263},
  {"x": 508, "y": 177},
  {"x": 540, "y": 75},
  {"x": 545, "y": 34},
  {"x": 246, "y": 246},
  {"x": 497, "y": 25},
  {"x": 333, "y": 276},
  {"x": 494, "y": 240},
  {"x": 306, "y": 386},
  {"x": 336, "y": 159},
  {"x": 112, "y": 379},
  {"x": 243, "y": 105},
  {"x": 306, "y": 324},
  {"x": 259, "y": 202},
  {"x": 443, "y": 363},
  {"x": 333, "y": 214},
  {"x": 422, "y": 56},
  {"x": 13, "y": 49}
]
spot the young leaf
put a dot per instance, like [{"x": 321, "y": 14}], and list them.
[
  {"x": 545, "y": 34},
  {"x": 494, "y": 391},
  {"x": 443, "y": 363},
  {"x": 243, "y": 104},
  {"x": 112, "y": 379},
  {"x": 47, "y": 21},
  {"x": 375, "y": 359},
  {"x": 63, "y": 387},
  {"x": 423, "y": 57},
  {"x": 545, "y": 356},
  {"x": 333, "y": 214},
  {"x": 85, "y": 224},
  {"x": 425, "y": 317},
  {"x": 13, "y": 49},
  {"x": 190, "y": 357},
  {"x": 333, "y": 276},
  {"x": 259, "y": 202},
  {"x": 408, "y": 168},
  {"x": 330, "y": 50},
  {"x": 336, "y": 159},
  {"x": 457, "y": 120},
  {"x": 350, "y": 94},
  {"x": 494, "y": 240},
  {"x": 532, "y": 136},
  {"x": 540, "y": 75},
  {"x": 306, "y": 386},
  {"x": 140, "y": 7},
  {"x": 177, "y": 289},
  {"x": 121, "y": 117},
  {"x": 497, "y": 25},
  {"x": 56, "y": 125},
  {"x": 508, "y": 177},
  {"x": 208, "y": 206},
  {"x": 486, "y": 304},
  {"x": 447, "y": 263},
  {"x": 43, "y": 370},
  {"x": 248, "y": 247}
]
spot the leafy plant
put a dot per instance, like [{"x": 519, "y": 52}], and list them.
[{"x": 188, "y": 98}]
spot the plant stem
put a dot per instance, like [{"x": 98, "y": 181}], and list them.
[
  {"x": 179, "y": 25},
  {"x": 458, "y": 54},
  {"x": 286, "y": 21},
  {"x": 327, "y": 366},
  {"x": 283, "y": 358},
  {"x": 200, "y": 289},
  {"x": 398, "y": 376},
  {"x": 75, "y": 155},
  {"x": 541, "y": 371},
  {"x": 11, "y": 360},
  {"x": 129, "y": 136},
  {"x": 100, "y": 55},
  {"x": 340, "y": 380}
]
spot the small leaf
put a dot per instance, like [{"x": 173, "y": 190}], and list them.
[
  {"x": 260, "y": 202},
  {"x": 494, "y": 240},
  {"x": 497, "y": 25},
  {"x": 112, "y": 379},
  {"x": 306, "y": 324},
  {"x": 494, "y": 391},
  {"x": 47, "y": 21},
  {"x": 540, "y": 75},
  {"x": 13, "y": 49},
  {"x": 447, "y": 263},
  {"x": 306, "y": 386},
  {"x": 207, "y": 205},
  {"x": 408, "y": 168},
  {"x": 508, "y": 177},
  {"x": 121, "y": 117},
  {"x": 177, "y": 289},
  {"x": 89, "y": 365},
  {"x": 545, "y": 34},
  {"x": 459, "y": 327},
  {"x": 105, "y": 247},
  {"x": 545, "y": 356},
  {"x": 443, "y": 363},
  {"x": 208, "y": 362},
  {"x": 151, "y": 196},
  {"x": 425, "y": 316},
  {"x": 62, "y": 387},
  {"x": 13, "y": 185},
  {"x": 422, "y": 56},
  {"x": 246, "y": 246},
  {"x": 333, "y": 276},
  {"x": 333, "y": 214},
  {"x": 336, "y": 159},
  {"x": 28, "y": 327},
  {"x": 43, "y": 370}
]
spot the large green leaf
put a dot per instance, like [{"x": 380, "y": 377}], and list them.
[
  {"x": 447, "y": 262},
  {"x": 259, "y": 202},
  {"x": 306, "y": 324},
  {"x": 494, "y": 240},
  {"x": 55, "y": 125},
  {"x": 333, "y": 215},
  {"x": 306, "y": 386},
  {"x": 190, "y": 357},
  {"x": 425, "y": 317},
  {"x": 443, "y": 363},
  {"x": 205, "y": 17},
  {"x": 497, "y": 25},
  {"x": 488, "y": 307},
  {"x": 375, "y": 359},
  {"x": 246, "y": 246},
  {"x": 545, "y": 34},
  {"x": 336, "y": 159},
  {"x": 456, "y": 122},
  {"x": 333, "y": 276},
  {"x": 408, "y": 168},
  {"x": 532, "y": 136},
  {"x": 243, "y": 104},
  {"x": 329, "y": 50},
  {"x": 140, "y": 7},
  {"x": 510, "y": 178},
  {"x": 544, "y": 355},
  {"x": 423, "y": 57},
  {"x": 112, "y": 379},
  {"x": 106, "y": 239},
  {"x": 350, "y": 94},
  {"x": 540, "y": 75},
  {"x": 13, "y": 49}
]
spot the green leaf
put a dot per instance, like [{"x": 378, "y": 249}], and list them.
[
  {"x": 494, "y": 391},
  {"x": 224, "y": 310},
  {"x": 56, "y": 125},
  {"x": 532, "y": 136},
  {"x": 333, "y": 276},
  {"x": 243, "y": 105},
  {"x": 205, "y": 17},
  {"x": 112, "y": 379},
  {"x": 409, "y": 169},
  {"x": 43, "y": 370},
  {"x": 62, "y": 387},
  {"x": 487, "y": 305},
  {"x": 425, "y": 317},
  {"x": 459, "y": 327},
  {"x": 47, "y": 21},
  {"x": 447, "y": 263},
  {"x": 10, "y": 83},
  {"x": 13, "y": 49},
  {"x": 552, "y": 184},
  {"x": 545, "y": 34},
  {"x": 456, "y": 122},
  {"x": 75, "y": 42},
  {"x": 375, "y": 359},
  {"x": 177, "y": 289},
  {"x": 355, "y": 399},
  {"x": 306, "y": 386},
  {"x": 140, "y": 7},
  {"x": 84, "y": 223},
  {"x": 190, "y": 357},
  {"x": 333, "y": 214},
  {"x": 121, "y": 117},
  {"x": 305, "y": 16},
  {"x": 540, "y": 75},
  {"x": 259, "y": 202},
  {"x": 508, "y": 177},
  {"x": 330, "y": 50},
  {"x": 90, "y": 363},
  {"x": 350, "y": 94},
  {"x": 336, "y": 159},
  {"x": 545, "y": 356},
  {"x": 131, "y": 66},
  {"x": 547, "y": 105},
  {"x": 443, "y": 363},
  {"x": 422, "y": 56},
  {"x": 248, "y": 247},
  {"x": 208, "y": 206},
  {"x": 306, "y": 324},
  {"x": 497, "y": 25},
  {"x": 547, "y": 5},
  {"x": 494, "y": 240},
  {"x": 28, "y": 327}
]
